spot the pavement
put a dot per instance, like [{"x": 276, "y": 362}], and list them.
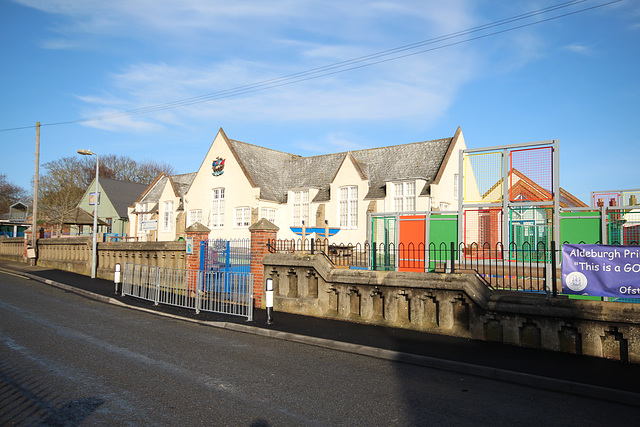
[{"x": 561, "y": 372}]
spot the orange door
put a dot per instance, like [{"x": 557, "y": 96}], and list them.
[{"x": 411, "y": 244}]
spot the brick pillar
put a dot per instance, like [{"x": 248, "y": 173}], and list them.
[
  {"x": 192, "y": 261},
  {"x": 261, "y": 232}
]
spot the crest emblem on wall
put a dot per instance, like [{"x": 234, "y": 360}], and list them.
[{"x": 218, "y": 166}]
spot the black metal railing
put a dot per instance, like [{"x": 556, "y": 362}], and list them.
[{"x": 525, "y": 267}]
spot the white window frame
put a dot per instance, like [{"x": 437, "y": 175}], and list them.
[
  {"x": 217, "y": 208},
  {"x": 348, "y": 207},
  {"x": 242, "y": 217},
  {"x": 300, "y": 207},
  {"x": 404, "y": 196},
  {"x": 195, "y": 215},
  {"x": 142, "y": 207},
  {"x": 167, "y": 215},
  {"x": 269, "y": 214}
]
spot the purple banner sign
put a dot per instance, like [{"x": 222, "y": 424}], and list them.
[{"x": 598, "y": 270}]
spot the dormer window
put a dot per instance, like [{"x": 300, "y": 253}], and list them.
[{"x": 404, "y": 196}]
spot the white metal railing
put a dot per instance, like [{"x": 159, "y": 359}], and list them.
[{"x": 218, "y": 292}]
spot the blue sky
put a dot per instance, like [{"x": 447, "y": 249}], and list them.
[{"x": 575, "y": 78}]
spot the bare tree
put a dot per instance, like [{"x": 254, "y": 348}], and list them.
[
  {"x": 10, "y": 194},
  {"x": 60, "y": 188},
  {"x": 123, "y": 168},
  {"x": 66, "y": 179}
]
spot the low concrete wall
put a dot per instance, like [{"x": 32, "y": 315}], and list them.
[
  {"x": 453, "y": 304},
  {"x": 74, "y": 254},
  {"x": 157, "y": 254},
  {"x": 12, "y": 248},
  {"x": 69, "y": 254}
]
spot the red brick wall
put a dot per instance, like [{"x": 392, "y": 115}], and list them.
[
  {"x": 193, "y": 261},
  {"x": 259, "y": 240}
]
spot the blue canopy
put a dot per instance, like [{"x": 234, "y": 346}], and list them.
[{"x": 318, "y": 230}]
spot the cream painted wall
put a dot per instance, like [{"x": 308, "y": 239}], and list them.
[
  {"x": 285, "y": 214},
  {"x": 423, "y": 203},
  {"x": 134, "y": 220},
  {"x": 238, "y": 191},
  {"x": 167, "y": 195},
  {"x": 348, "y": 175},
  {"x": 444, "y": 190}
]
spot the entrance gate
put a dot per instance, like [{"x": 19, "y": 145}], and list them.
[
  {"x": 223, "y": 255},
  {"x": 219, "y": 292}
]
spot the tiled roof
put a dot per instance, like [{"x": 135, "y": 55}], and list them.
[
  {"x": 181, "y": 183},
  {"x": 121, "y": 193},
  {"x": 420, "y": 160},
  {"x": 276, "y": 172},
  {"x": 154, "y": 193},
  {"x": 267, "y": 168}
]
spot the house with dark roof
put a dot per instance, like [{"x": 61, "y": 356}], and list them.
[
  {"x": 158, "y": 212},
  {"x": 15, "y": 222},
  {"x": 238, "y": 183},
  {"x": 114, "y": 199}
]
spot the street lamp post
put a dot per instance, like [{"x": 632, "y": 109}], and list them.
[{"x": 94, "y": 253}]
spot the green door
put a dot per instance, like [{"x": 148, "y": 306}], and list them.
[{"x": 384, "y": 242}]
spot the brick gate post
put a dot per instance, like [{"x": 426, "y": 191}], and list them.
[
  {"x": 198, "y": 233},
  {"x": 261, "y": 232}
]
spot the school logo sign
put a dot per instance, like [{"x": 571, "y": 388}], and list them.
[
  {"x": 218, "y": 166},
  {"x": 599, "y": 270}
]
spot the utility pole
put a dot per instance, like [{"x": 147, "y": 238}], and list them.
[{"x": 34, "y": 227}]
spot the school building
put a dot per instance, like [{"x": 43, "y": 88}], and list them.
[{"x": 238, "y": 183}]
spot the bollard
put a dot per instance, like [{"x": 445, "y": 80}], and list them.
[
  {"x": 269, "y": 298},
  {"x": 116, "y": 277}
]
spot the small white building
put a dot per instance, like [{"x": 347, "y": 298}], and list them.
[{"x": 239, "y": 183}]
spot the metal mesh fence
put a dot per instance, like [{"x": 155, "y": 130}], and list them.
[
  {"x": 623, "y": 227},
  {"x": 531, "y": 174},
  {"x": 482, "y": 227},
  {"x": 483, "y": 177}
]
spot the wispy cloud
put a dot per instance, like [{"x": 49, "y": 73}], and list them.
[
  {"x": 579, "y": 49},
  {"x": 408, "y": 89},
  {"x": 122, "y": 123},
  {"x": 209, "y": 47},
  {"x": 279, "y": 39}
]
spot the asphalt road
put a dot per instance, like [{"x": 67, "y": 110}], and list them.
[{"x": 67, "y": 360}]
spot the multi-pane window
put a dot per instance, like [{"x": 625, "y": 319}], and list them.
[
  {"x": 142, "y": 207},
  {"x": 269, "y": 214},
  {"x": 243, "y": 216},
  {"x": 167, "y": 216},
  {"x": 195, "y": 215},
  {"x": 404, "y": 196},
  {"x": 217, "y": 207},
  {"x": 349, "y": 207},
  {"x": 300, "y": 207}
]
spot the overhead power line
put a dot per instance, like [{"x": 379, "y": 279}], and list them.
[{"x": 350, "y": 64}]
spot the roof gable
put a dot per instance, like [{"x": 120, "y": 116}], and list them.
[
  {"x": 532, "y": 191},
  {"x": 276, "y": 172},
  {"x": 120, "y": 194}
]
